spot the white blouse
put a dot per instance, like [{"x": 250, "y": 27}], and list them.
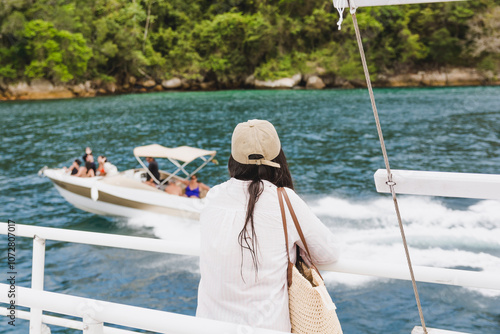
[{"x": 230, "y": 290}]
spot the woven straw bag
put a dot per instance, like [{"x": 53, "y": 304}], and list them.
[{"x": 312, "y": 310}]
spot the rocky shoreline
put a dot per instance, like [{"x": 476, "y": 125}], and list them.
[{"x": 40, "y": 89}]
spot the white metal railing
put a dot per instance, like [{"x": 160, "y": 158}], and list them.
[
  {"x": 96, "y": 312},
  {"x": 146, "y": 319},
  {"x": 444, "y": 184},
  {"x": 63, "y": 322},
  {"x": 463, "y": 278}
]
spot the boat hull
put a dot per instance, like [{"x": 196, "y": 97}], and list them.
[{"x": 121, "y": 196}]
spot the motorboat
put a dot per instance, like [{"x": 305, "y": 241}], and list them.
[{"x": 125, "y": 194}]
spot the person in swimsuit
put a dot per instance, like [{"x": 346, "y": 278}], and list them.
[
  {"x": 89, "y": 170},
  {"x": 88, "y": 151},
  {"x": 74, "y": 168},
  {"x": 193, "y": 187},
  {"x": 90, "y": 165},
  {"x": 100, "y": 168},
  {"x": 105, "y": 168},
  {"x": 173, "y": 189}
]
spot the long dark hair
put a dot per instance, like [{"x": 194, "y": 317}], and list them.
[{"x": 280, "y": 177}]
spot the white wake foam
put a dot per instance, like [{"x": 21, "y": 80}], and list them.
[
  {"x": 466, "y": 238},
  {"x": 169, "y": 228}
]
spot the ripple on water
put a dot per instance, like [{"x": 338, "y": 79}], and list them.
[{"x": 331, "y": 144}]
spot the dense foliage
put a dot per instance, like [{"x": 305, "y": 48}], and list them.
[{"x": 228, "y": 40}]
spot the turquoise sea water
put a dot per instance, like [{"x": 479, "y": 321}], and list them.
[{"x": 331, "y": 144}]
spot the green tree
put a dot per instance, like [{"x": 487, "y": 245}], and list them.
[
  {"x": 228, "y": 40},
  {"x": 54, "y": 54},
  {"x": 484, "y": 39},
  {"x": 232, "y": 44}
]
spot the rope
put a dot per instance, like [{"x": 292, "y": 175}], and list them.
[
  {"x": 389, "y": 182},
  {"x": 340, "y": 5}
]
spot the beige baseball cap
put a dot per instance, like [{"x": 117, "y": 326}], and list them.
[{"x": 255, "y": 137}]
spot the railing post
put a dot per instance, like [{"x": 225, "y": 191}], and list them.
[
  {"x": 37, "y": 278},
  {"x": 91, "y": 326}
]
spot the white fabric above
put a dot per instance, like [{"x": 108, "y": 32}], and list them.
[{"x": 229, "y": 288}]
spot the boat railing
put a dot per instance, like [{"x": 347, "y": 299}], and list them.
[{"x": 94, "y": 313}]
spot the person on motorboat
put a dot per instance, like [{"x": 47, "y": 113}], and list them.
[
  {"x": 101, "y": 171},
  {"x": 90, "y": 169},
  {"x": 153, "y": 169},
  {"x": 243, "y": 257},
  {"x": 105, "y": 167},
  {"x": 193, "y": 187},
  {"x": 74, "y": 168},
  {"x": 90, "y": 165},
  {"x": 88, "y": 151},
  {"x": 173, "y": 188}
]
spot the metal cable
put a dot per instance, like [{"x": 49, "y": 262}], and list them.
[{"x": 389, "y": 182}]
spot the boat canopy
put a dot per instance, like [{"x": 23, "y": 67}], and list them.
[
  {"x": 180, "y": 156},
  {"x": 181, "y": 153}
]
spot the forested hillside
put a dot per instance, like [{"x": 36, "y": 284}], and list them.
[{"x": 225, "y": 41}]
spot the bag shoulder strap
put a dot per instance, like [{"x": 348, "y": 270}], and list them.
[
  {"x": 283, "y": 217},
  {"x": 296, "y": 222},
  {"x": 282, "y": 192}
]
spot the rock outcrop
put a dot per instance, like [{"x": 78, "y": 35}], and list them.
[
  {"x": 315, "y": 82},
  {"x": 174, "y": 83},
  {"x": 38, "y": 89},
  {"x": 148, "y": 83},
  {"x": 284, "y": 83},
  {"x": 111, "y": 87},
  {"x": 44, "y": 89},
  {"x": 211, "y": 85},
  {"x": 453, "y": 77}
]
